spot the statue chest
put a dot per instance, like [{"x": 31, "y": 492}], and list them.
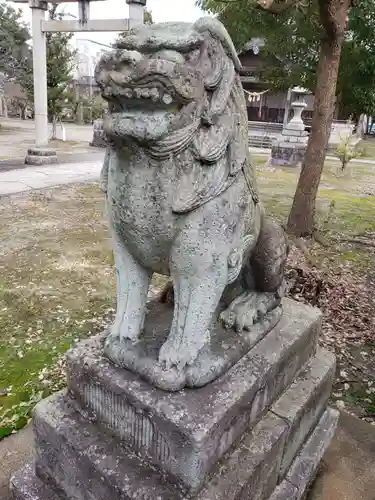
[{"x": 139, "y": 199}]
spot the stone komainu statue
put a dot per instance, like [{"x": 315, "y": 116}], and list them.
[{"x": 182, "y": 197}]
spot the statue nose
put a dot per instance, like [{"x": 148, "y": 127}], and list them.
[{"x": 131, "y": 57}]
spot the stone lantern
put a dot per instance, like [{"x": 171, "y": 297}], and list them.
[{"x": 290, "y": 147}]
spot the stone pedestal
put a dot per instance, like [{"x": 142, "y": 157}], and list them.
[
  {"x": 258, "y": 432},
  {"x": 290, "y": 147},
  {"x": 41, "y": 156}
]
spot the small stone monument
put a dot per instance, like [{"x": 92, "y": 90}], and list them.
[
  {"x": 290, "y": 148},
  {"x": 98, "y": 140},
  {"x": 218, "y": 391}
]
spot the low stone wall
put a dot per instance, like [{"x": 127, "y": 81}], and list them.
[{"x": 264, "y": 134}]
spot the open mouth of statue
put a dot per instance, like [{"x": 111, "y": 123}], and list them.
[{"x": 143, "y": 95}]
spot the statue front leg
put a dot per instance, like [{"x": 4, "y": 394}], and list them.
[
  {"x": 199, "y": 270},
  {"x": 132, "y": 287}
]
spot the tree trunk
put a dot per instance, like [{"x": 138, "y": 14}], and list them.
[{"x": 333, "y": 14}]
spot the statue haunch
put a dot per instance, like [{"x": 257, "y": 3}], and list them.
[{"x": 181, "y": 193}]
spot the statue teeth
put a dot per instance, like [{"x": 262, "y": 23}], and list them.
[
  {"x": 155, "y": 95},
  {"x": 167, "y": 99},
  {"x": 146, "y": 93},
  {"x": 138, "y": 93},
  {"x": 128, "y": 93}
]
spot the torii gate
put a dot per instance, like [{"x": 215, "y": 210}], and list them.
[{"x": 41, "y": 154}]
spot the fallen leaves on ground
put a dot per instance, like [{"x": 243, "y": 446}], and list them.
[{"x": 347, "y": 301}]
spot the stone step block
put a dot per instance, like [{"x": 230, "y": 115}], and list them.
[
  {"x": 82, "y": 462},
  {"x": 302, "y": 405},
  {"x": 25, "y": 485},
  {"x": 184, "y": 434},
  {"x": 304, "y": 468},
  {"x": 250, "y": 472},
  {"x": 305, "y": 465}
]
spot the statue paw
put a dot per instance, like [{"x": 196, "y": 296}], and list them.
[
  {"x": 248, "y": 309},
  {"x": 169, "y": 357},
  {"x": 179, "y": 352},
  {"x": 123, "y": 332}
]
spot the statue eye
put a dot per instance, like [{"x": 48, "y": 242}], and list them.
[
  {"x": 169, "y": 55},
  {"x": 193, "y": 56}
]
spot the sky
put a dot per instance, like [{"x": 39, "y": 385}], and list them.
[{"x": 162, "y": 11}]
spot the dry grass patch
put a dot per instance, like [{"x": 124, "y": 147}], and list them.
[{"x": 57, "y": 285}]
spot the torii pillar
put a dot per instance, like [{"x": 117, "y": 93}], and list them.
[
  {"x": 136, "y": 11},
  {"x": 40, "y": 154}
]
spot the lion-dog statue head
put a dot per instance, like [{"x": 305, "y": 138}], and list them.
[{"x": 174, "y": 88}]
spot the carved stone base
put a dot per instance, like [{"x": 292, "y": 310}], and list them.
[
  {"x": 250, "y": 472},
  {"x": 41, "y": 156},
  {"x": 257, "y": 432},
  {"x": 187, "y": 432},
  {"x": 288, "y": 153},
  {"x": 253, "y": 477},
  {"x": 225, "y": 349},
  {"x": 76, "y": 460}
]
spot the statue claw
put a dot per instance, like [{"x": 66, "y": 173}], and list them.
[{"x": 248, "y": 309}]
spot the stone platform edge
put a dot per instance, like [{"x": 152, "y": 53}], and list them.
[
  {"x": 25, "y": 485},
  {"x": 75, "y": 456}
]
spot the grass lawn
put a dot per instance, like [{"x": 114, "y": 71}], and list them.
[{"x": 57, "y": 283}]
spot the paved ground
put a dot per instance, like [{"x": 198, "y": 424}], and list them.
[
  {"x": 18, "y": 181},
  {"x": 74, "y": 132},
  {"x": 16, "y": 136},
  {"x": 75, "y": 157},
  {"x": 348, "y": 472}
]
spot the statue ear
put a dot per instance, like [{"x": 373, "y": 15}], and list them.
[
  {"x": 212, "y": 67},
  {"x": 218, "y": 68},
  {"x": 221, "y": 94},
  {"x": 217, "y": 31}
]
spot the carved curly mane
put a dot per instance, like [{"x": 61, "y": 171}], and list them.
[{"x": 219, "y": 132}]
